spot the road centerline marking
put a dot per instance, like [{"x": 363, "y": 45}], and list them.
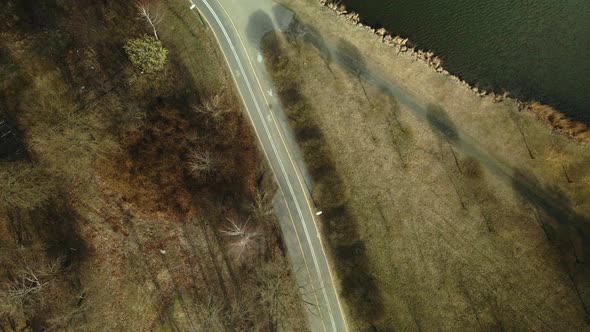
[
  {"x": 299, "y": 212},
  {"x": 292, "y": 162},
  {"x": 280, "y": 163}
]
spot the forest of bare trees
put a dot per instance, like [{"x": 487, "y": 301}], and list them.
[{"x": 130, "y": 208}]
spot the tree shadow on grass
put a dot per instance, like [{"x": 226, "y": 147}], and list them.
[
  {"x": 441, "y": 124},
  {"x": 311, "y": 35},
  {"x": 350, "y": 58},
  {"x": 36, "y": 16},
  {"x": 358, "y": 285},
  {"x": 564, "y": 228},
  {"x": 308, "y": 133},
  {"x": 297, "y": 31},
  {"x": 560, "y": 214},
  {"x": 283, "y": 16}
]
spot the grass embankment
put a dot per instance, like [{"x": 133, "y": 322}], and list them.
[
  {"x": 424, "y": 233},
  {"x": 330, "y": 191},
  {"x": 110, "y": 219}
]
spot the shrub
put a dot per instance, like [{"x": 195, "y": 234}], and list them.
[
  {"x": 146, "y": 53},
  {"x": 24, "y": 186}
]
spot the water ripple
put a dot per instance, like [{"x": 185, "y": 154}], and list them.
[{"x": 535, "y": 49}]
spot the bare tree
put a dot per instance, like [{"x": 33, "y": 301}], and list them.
[
  {"x": 69, "y": 318},
  {"x": 214, "y": 108},
  {"x": 24, "y": 186},
  {"x": 29, "y": 273},
  {"x": 261, "y": 207},
  {"x": 278, "y": 294},
  {"x": 200, "y": 163},
  {"x": 152, "y": 16},
  {"x": 213, "y": 316},
  {"x": 239, "y": 313},
  {"x": 243, "y": 238}
]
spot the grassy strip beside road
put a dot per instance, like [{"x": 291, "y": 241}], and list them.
[
  {"x": 444, "y": 241},
  {"x": 345, "y": 246}
]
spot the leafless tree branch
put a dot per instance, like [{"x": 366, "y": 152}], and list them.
[
  {"x": 261, "y": 207},
  {"x": 29, "y": 275},
  {"x": 200, "y": 163},
  {"x": 242, "y": 238},
  {"x": 213, "y": 108},
  {"x": 152, "y": 16}
]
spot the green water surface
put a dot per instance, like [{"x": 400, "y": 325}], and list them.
[{"x": 534, "y": 49}]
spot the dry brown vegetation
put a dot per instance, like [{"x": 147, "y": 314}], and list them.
[
  {"x": 428, "y": 231},
  {"x": 559, "y": 122},
  {"x": 105, "y": 224}
]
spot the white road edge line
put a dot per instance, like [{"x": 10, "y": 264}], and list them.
[{"x": 279, "y": 160}]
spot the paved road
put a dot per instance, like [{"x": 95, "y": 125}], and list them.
[{"x": 303, "y": 235}]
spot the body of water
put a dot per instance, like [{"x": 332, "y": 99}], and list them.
[{"x": 534, "y": 49}]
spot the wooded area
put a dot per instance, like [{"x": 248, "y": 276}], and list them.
[{"x": 133, "y": 195}]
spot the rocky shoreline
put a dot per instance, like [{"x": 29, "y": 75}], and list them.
[{"x": 556, "y": 120}]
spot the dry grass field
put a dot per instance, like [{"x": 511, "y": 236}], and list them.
[
  {"x": 136, "y": 202},
  {"x": 461, "y": 214}
]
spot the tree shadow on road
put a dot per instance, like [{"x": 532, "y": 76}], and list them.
[
  {"x": 259, "y": 24},
  {"x": 358, "y": 285}
]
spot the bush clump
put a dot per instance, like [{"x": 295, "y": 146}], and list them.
[
  {"x": 24, "y": 186},
  {"x": 146, "y": 53}
]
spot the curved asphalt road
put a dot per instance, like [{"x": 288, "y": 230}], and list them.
[{"x": 304, "y": 232}]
